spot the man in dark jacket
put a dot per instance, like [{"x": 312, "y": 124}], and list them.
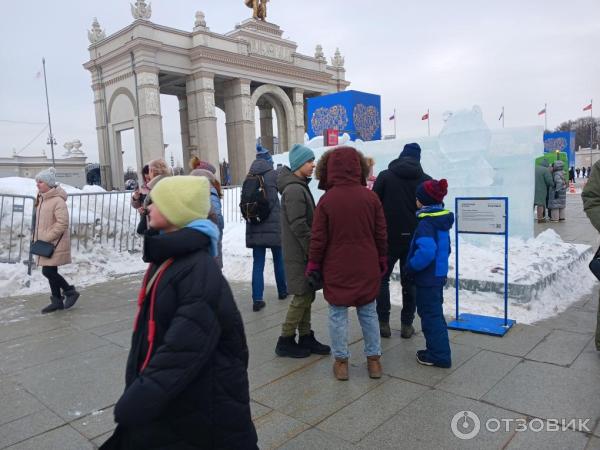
[
  {"x": 297, "y": 208},
  {"x": 186, "y": 375},
  {"x": 396, "y": 188},
  {"x": 266, "y": 234}
]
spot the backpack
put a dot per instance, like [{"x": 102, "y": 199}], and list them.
[{"x": 254, "y": 203}]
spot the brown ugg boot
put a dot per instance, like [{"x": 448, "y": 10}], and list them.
[
  {"x": 374, "y": 366},
  {"x": 340, "y": 369}
]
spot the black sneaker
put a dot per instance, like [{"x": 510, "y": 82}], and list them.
[
  {"x": 309, "y": 342},
  {"x": 287, "y": 346},
  {"x": 258, "y": 305},
  {"x": 283, "y": 296},
  {"x": 424, "y": 358}
]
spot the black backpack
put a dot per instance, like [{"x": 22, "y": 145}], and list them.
[{"x": 254, "y": 203}]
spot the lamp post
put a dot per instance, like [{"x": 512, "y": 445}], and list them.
[{"x": 51, "y": 141}]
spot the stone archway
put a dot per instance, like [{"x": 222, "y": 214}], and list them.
[
  {"x": 122, "y": 114},
  {"x": 286, "y": 117}
]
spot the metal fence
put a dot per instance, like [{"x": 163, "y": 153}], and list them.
[{"x": 97, "y": 219}]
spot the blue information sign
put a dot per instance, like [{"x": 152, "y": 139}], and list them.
[{"x": 482, "y": 215}]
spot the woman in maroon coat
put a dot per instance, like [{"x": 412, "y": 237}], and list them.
[{"x": 349, "y": 247}]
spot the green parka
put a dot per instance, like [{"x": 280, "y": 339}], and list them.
[
  {"x": 543, "y": 182},
  {"x": 297, "y": 209},
  {"x": 591, "y": 206}
]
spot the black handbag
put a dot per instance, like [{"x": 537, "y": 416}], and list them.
[
  {"x": 595, "y": 264},
  {"x": 43, "y": 248}
]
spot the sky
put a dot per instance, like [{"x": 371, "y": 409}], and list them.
[{"x": 435, "y": 55}]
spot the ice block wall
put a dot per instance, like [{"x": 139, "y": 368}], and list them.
[{"x": 476, "y": 161}]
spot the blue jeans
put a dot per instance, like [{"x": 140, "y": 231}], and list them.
[
  {"x": 338, "y": 329},
  {"x": 258, "y": 268},
  {"x": 433, "y": 323}
]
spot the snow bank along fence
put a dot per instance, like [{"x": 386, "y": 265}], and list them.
[{"x": 97, "y": 219}]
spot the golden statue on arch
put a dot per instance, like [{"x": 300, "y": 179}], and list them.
[{"x": 259, "y": 8}]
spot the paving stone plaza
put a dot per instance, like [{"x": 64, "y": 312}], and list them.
[{"x": 61, "y": 374}]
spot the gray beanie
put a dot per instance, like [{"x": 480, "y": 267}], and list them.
[{"x": 48, "y": 176}]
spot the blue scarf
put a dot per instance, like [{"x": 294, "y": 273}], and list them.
[
  {"x": 208, "y": 228},
  {"x": 430, "y": 208}
]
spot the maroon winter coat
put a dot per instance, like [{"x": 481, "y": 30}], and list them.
[{"x": 348, "y": 233}]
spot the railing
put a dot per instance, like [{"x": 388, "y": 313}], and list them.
[
  {"x": 97, "y": 219},
  {"x": 231, "y": 203}
]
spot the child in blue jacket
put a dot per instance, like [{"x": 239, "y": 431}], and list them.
[{"x": 427, "y": 264}]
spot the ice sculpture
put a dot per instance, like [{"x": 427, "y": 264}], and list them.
[{"x": 476, "y": 161}]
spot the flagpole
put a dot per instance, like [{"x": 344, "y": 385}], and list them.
[
  {"x": 395, "y": 124},
  {"x": 428, "y": 124},
  {"x": 503, "y": 117},
  {"x": 591, "y": 124},
  {"x": 545, "y": 117},
  {"x": 51, "y": 137}
]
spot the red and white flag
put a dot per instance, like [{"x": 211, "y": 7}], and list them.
[
  {"x": 425, "y": 116},
  {"x": 588, "y": 107},
  {"x": 542, "y": 112}
]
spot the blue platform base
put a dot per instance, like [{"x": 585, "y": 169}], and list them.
[{"x": 494, "y": 326}]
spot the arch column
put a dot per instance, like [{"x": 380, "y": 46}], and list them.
[
  {"x": 266, "y": 127},
  {"x": 185, "y": 131},
  {"x": 239, "y": 122},
  {"x": 150, "y": 119},
  {"x": 101, "y": 112},
  {"x": 300, "y": 129},
  {"x": 202, "y": 116}
]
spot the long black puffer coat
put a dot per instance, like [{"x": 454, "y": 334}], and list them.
[
  {"x": 194, "y": 392},
  {"x": 268, "y": 233}
]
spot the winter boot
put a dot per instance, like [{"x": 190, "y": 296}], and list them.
[
  {"x": 340, "y": 369},
  {"x": 406, "y": 331},
  {"x": 258, "y": 305},
  {"x": 71, "y": 295},
  {"x": 308, "y": 341},
  {"x": 374, "y": 366},
  {"x": 56, "y": 303},
  {"x": 287, "y": 346},
  {"x": 384, "y": 330}
]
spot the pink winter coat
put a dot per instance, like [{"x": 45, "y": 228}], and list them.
[{"x": 52, "y": 222}]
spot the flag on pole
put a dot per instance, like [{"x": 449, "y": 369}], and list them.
[
  {"x": 501, "y": 115},
  {"x": 393, "y": 116},
  {"x": 542, "y": 112},
  {"x": 588, "y": 107},
  {"x": 425, "y": 116}
]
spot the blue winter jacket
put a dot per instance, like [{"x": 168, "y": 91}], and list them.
[{"x": 430, "y": 246}]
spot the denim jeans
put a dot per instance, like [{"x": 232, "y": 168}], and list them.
[
  {"x": 338, "y": 330},
  {"x": 409, "y": 305},
  {"x": 433, "y": 323},
  {"x": 258, "y": 268}
]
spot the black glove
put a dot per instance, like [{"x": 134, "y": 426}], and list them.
[{"x": 315, "y": 280}]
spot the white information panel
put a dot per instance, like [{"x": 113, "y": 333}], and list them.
[{"x": 481, "y": 216}]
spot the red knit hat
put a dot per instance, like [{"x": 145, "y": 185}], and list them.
[{"x": 432, "y": 192}]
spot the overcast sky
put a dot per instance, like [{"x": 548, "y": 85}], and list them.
[{"x": 436, "y": 54}]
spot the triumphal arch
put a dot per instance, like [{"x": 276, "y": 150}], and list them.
[{"x": 251, "y": 66}]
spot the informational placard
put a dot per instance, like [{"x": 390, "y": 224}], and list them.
[{"x": 481, "y": 216}]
